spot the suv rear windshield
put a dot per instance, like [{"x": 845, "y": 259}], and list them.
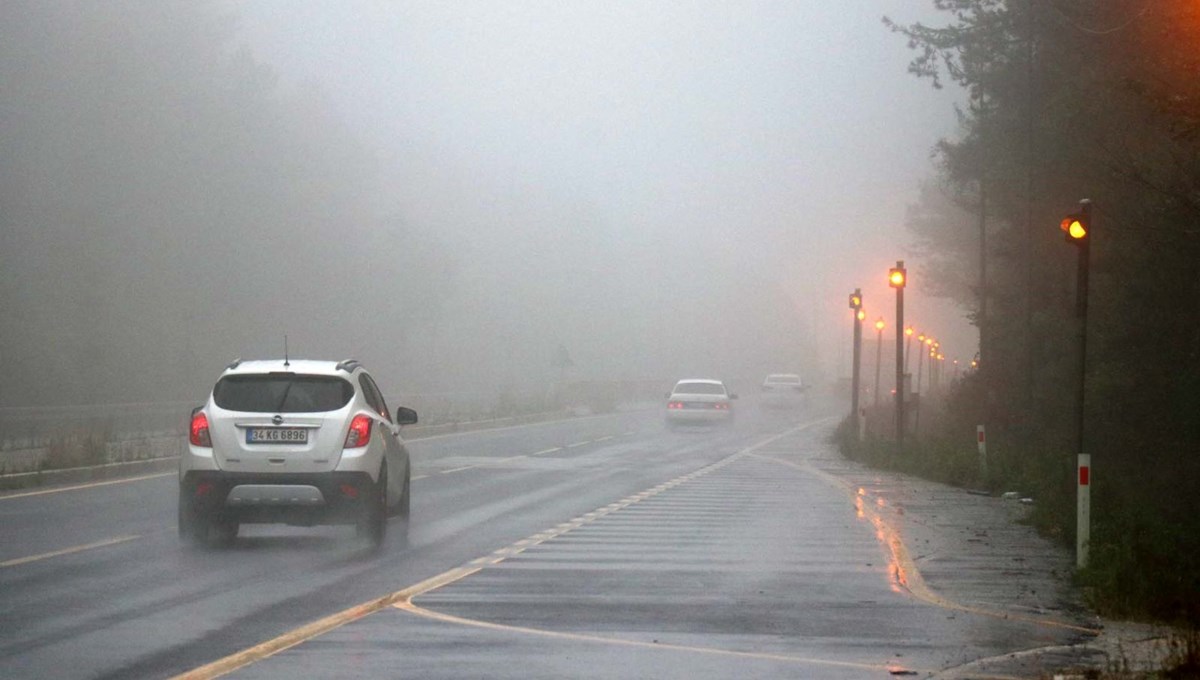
[
  {"x": 282, "y": 393},
  {"x": 698, "y": 388}
]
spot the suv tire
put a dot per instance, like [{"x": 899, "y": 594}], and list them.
[
  {"x": 193, "y": 529},
  {"x": 372, "y": 525},
  {"x": 223, "y": 532},
  {"x": 401, "y": 512}
]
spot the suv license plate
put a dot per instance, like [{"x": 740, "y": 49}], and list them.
[{"x": 276, "y": 435}]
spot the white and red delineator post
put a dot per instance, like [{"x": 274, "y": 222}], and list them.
[{"x": 1083, "y": 514}]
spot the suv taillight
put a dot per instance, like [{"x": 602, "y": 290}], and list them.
[
  {"x": 199, "y": 431},
  {"x": 360, "y": 432}
]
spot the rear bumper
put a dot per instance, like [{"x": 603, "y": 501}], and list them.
[
  {"x": 697, "y": 415},
  {"x": 304, "y": 499}
]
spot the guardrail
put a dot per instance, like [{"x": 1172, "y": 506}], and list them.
[{"x": 24, "y": 428}]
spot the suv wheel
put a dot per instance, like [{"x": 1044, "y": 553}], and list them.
[
  {"x": 193, "y": 529},
  {"x": 224, "y": 532},
  {"x": 372, "y": 525},
  {"x": 401, "y": 513}
]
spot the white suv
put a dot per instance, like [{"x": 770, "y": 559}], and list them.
[{"x": 296, "y": 442}]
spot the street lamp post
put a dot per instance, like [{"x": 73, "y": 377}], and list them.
[
  {"x": 878, "y": 355},
  {"x": 920, "y": 347},
  {"x": 908, "y": 348},
  {"x": 856, "y": 372},
  {"x": 898, "y": 279},
  {"x": 923, "y": 349},
  {"x": 936, "y": 374}
]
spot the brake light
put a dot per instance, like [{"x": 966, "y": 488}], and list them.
[
  {"x": 360, "y": 432},
  {"x": 199, "y": 431},
  {"x": 721, "y": 406},
  {"x": 675, "y": 404}
]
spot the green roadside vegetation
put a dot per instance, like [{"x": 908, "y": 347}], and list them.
[{"x": 1066, "y": 100}]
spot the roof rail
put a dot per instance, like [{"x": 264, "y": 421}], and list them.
[
  {"x": 234, "y": 365},
  {"x": 348, "y": 365}
]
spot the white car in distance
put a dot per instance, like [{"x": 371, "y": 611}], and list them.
[
  {"x": 699, "y": 400},
  {"x": 783, "y": 390}
]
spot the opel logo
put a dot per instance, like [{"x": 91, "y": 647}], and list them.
[{"x": 277, "y": 419}]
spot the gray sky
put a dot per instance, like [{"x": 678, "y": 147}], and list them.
[{"x": 778, "y": 139}]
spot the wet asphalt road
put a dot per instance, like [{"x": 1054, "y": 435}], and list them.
[{"x": 600, "y": 547}]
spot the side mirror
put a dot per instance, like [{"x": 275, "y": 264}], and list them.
[
  {"x": 733, "y": 396},
  {"x": 667, "y": 395},
  {"x": 405, "y": 416}
]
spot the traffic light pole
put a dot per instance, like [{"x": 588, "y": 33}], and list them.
[
  {"x": 1083, "y": 495},
  {"x": 856, "y": 386}
]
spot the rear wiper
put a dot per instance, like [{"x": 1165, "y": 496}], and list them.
[{"x": 283, "y": 399}]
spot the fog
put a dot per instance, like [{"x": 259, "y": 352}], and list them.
[{"x": 454, "y": 193}]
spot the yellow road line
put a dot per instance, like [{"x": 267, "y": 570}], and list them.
[
  {"x": 67, "y": 551},
  {"x": 292, "y": 638},
  {"x": 906, "y": 574},
  {"x": 89, "y": 485}
]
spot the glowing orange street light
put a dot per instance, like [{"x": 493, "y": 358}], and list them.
[
  {"x": 879, "y": 324},
  {"x": 861, "y": 315}
]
